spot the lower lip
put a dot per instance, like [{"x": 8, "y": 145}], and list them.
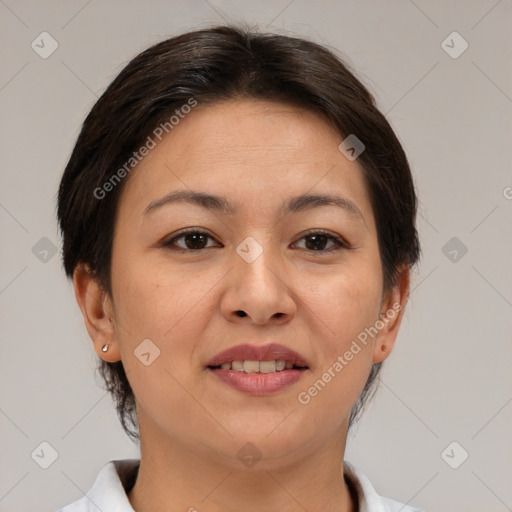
[{"x": 258, "y": 383}]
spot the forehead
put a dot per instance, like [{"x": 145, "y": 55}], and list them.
[
  {"x": 252, "y": 131},
  {"x": 245, "y": 148}
]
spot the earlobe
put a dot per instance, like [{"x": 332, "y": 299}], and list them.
[
  {"x": 96, "y": 307},
  {"x": 391, "y": 315}
]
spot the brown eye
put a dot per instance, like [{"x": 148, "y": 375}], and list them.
[
  {"x": 192, "y": 240},
  {"x": 195, "y": 240},
  {"x": 319, "y": 241}
]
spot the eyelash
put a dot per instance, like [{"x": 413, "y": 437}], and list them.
[{"x": 339, "y": 242}]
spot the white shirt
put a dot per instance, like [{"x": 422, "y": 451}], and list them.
[{"x": 117, "y": 477}]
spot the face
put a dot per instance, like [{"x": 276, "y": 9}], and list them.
[{"x": 265, "y": 269}]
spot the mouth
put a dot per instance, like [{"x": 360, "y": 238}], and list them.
[
  {"x": 258, "y": 369},
  {"x": 254, "y": 366},
  {"x": 258, "y": 359}
]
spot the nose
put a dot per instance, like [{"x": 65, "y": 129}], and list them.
[{"x": 258, "y": 292}]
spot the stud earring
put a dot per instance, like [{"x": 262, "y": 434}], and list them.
[{"x": 105, "y": 347}]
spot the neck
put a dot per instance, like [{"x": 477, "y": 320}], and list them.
[{"x": 173, "y": 477}]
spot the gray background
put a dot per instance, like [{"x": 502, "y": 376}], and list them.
[{"x": 449, "y": 377}]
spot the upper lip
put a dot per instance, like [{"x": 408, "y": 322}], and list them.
[{"x": 269, "y": 352}]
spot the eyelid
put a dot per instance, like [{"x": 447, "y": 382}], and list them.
[
  {"x": 166, "y": 242},
  {"x": 339, "y": 241}
]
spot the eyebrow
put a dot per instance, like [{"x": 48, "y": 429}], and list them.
[{"x": 219, "y": 204}]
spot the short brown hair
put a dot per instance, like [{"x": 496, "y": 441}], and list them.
[{"x": 213, "y": 65}]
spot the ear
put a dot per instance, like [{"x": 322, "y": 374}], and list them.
[
  {"x": 97, "y": 310},
  {"x": 392, "y": 312}
]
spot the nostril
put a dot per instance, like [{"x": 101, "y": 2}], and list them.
[{"x": 241, "y": 313}]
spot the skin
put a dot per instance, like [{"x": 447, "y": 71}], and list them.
[{"x": 257, "y": 154}]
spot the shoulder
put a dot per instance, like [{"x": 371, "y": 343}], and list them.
[
  {"x": 369, "y": 500},
  {"x": 109, "y": 490}
]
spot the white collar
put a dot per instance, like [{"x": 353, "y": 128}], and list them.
[
  {"x": 108, "y": 493},
  {"x": 369, "y": 500}
]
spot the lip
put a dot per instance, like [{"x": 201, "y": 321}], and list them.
[
  {"x": 248, "y": 352},
  {"x": 258, "y": 383}
]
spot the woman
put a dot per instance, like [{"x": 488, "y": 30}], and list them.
[{"x": 238, "y": 220}]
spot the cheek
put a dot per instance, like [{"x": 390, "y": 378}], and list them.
[
  {"x": 347, "y": 300},
  {"x": 346, "y": 305},
  {"x": 161, "y": 301},
  {"x": 171, "y": 309}
]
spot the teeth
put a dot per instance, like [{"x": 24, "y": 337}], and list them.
[
  {"x": 238, "y": 366},
  {"x": 257, "y": 366},
  {"x": 252, "y": 366},
  {"x": 267, "y": 366}
]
